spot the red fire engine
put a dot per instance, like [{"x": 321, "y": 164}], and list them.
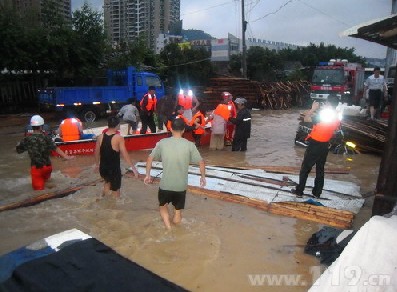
[{"x": 339, "y": 78}]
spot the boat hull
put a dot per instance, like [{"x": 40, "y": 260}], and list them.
[{"x": 132, "y": 143}]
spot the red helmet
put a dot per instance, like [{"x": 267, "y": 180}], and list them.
[{"x": 226, "y": 95}]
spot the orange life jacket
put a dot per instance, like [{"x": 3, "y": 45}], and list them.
[
  {"x": 151, "y": 102},
  {"x": 223, "y": 111},
  {"x": 200, "y": 116},
  {"x": 185, "y": 100},
  {"x": 232, "y": 109},
  {"x": 323, "y": 132},
  {"x": 70, "y": 129},
  {"x": 169, "y": 123}
]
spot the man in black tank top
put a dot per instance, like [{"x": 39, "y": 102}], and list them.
[{"x": 109, "y": 145}]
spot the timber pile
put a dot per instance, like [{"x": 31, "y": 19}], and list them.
[
  {"x": 320, "y": 214},
  {"x": 369, "y": 136},
  {"x": 267, "y": 95},
  {"x": 283, "y": 95},
  {"x": 236, "y": 86}
]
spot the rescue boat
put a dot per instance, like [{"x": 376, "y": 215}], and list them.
[{"x": 132, "y": 142}]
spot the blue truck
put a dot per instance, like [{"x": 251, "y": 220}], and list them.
[{"x": 89, "y": 103}]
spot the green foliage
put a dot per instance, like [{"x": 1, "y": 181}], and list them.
[
  {"x": 88, "y": 47},
  {"x": 235, "y": 65},
  {"x": 266, "y": 65},
  {"x": 134, "y": 53},
  {"x": 11, "y": 34},
  {"x": 313, "y": 54},
  {"x": 262, "y": 64},
  {"x": 50, "y": 43},
  {"x": 185, "y": 67}
]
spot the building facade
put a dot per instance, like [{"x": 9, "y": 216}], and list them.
[
  {"x": 222, "y": 49},
  {"x": 127, "y": 20},
  {"x": 34, "y": 9},
  {"x": 271, "y": 45}
]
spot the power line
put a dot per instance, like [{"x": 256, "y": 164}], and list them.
[
  {"x": 328, "y": 15},
  {"x": 208, "y": 8},
  {"x": 274, "y": 12},
  {"x": 304, "y": 3},
  {"x": 187, "y": 63}
]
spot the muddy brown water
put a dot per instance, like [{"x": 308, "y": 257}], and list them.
[{"x": 219, "y": 246}]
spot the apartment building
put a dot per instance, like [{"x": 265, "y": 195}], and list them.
[
  {"x": 126, "y": 20},
  {"x": 33, "y": 9}
]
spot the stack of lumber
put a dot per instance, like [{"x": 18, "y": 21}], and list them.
[
  {"x": 267, "y": 95},
  {"x": 320, "y": 214},
  {"x": 368, "y": 135},
  {"x": 238, "y": 87},
  {"x": 328, "y": 216},
  {"x": 283, "y": 95}
]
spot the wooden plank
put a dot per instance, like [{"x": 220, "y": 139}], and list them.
[
  {"x": 294, "y": 169},
  {"x": 319, "y": 214},
  {"x": 46, "y": 196}
]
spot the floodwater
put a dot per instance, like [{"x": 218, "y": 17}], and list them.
[{"x": 219, "y": 246}]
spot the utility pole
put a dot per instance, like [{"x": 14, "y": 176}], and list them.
[
  {"x": 391, "y": 53},
  {"x": 244, "y": 28}
]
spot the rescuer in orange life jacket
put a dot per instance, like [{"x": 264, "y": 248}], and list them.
[
  {"x": 325, "y": 123},
  {"x": 230, "y": 127},
  {"x": 148, "y": 107},
  {"x": 178, "y": 114},
  {"x": 71, "y": 129},
  {"x": 189, "y": 102},
  {"x": 198, "y": 122}
]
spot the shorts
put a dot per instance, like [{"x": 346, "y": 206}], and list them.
[
  {"x": 132, "y": 124},
  {"x": 113, "y": 177},
  {"x": 176, "y": 198},
  {"x": 374, "y": 97},
  {"x": 39, "y": 176}
]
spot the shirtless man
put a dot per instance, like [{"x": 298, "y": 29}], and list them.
[{"x": 109, "y": 145}]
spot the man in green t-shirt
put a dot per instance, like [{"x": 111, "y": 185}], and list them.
[{"x": 175, "y": 153}]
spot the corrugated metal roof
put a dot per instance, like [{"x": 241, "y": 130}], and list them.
[{"x": 382, "y": 31}]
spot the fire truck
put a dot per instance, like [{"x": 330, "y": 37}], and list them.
[{"x": 339, "y": 78}]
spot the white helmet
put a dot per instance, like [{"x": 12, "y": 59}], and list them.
[
  {"x": 36, "y": 120},
  {"x": 226, "y": 95}
]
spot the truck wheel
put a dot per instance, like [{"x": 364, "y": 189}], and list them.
[{"x": 89, "y": 115}]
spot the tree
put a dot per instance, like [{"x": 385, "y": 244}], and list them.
[
  {"x": 185, "y": 67},
  {"x": 235, "y": 65},
  {"x": 262, "y": 64},
  {"x": 313, "y": 54},
  {"x": 135, "y": 53},
  {"x": 12, "y": 37},
  {"x": 86, "y": 52}
]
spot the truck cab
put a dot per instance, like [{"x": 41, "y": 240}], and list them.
[{"x": 337, "y": 78}]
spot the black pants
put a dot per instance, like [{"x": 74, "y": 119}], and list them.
[
  {"x": 316, "y": 154},
  {"x": 161, "y": 121},
  {"x": 197, "y": 138},
  {"x": 147, "y": 119},
  {"x": 239, "y": 144}
]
